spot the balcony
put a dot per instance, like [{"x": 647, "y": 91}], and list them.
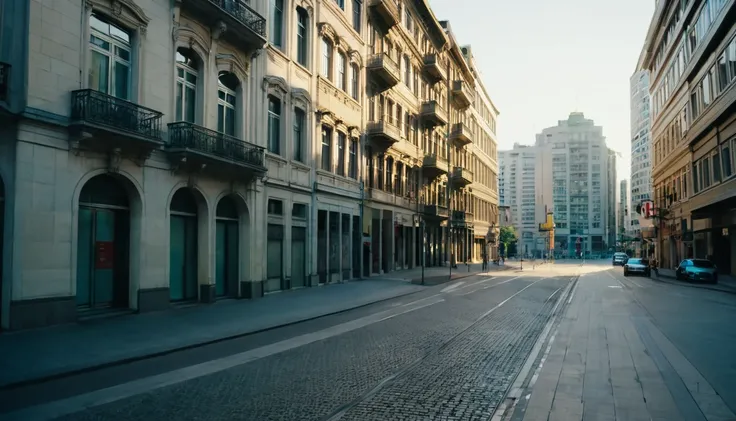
[
  {"x": 461, "y": 177},
  {"x": 382, "y": 134},
  {"x": 461, "y": 218},
  {"x": 384, "y": 70},
  {"x": 243, "y": 27},
  {"x": 105, "y": 123},
  {"x": 433, "y": 114},
  {"x": 462, "y": 94},
  {"x": 4, "y": 77},
  {"x": 433, "y": 166},
  {"x": 434, "y": 212},
  {"x": 433, "y": 68},
  {"x": 198, "y": 148},
  {"x": 387, "y": 10},
  {"x": 460, "y": 135}
]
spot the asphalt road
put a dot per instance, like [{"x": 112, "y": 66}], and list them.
[{"x": 450, "y": 352}]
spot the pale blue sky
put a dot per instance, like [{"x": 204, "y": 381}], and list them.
[{"x": 542, "y": 59}]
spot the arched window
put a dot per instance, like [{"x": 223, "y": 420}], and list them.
[
  {"x": 354, "y": 82},
  {"x": 110, "y": 61},
  {"x": 226, "y": 103},
  {"x": 187, "y": 72}
]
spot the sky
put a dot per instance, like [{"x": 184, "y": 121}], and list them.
[{"x": 542, "y": 59}]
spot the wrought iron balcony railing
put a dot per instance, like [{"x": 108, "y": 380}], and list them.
[
  {"x": 98, "y": 109},
  {"x": 183, "y": 135},
  {"x": 4, "y": 77},
  {"x": 244, "y": 14}
]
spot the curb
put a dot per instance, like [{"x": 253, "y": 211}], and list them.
[
  {"x": 673, "y": 281},
  {"x": 128, "y": 360}
]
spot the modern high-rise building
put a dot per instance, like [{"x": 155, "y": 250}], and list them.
[
  {"x": 641, "y": 147},
  {"x": 518, "y": 169},
  {"x": 622, "y": 209},
  {"x": 571, "y": 172},
  {"x": 690, "y": 53},
  {"x": 583, "y": 185}
]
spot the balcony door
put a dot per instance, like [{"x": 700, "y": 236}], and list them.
[
  {"x": 110, "y": 58},
  {"x": 183, "y": 251}
]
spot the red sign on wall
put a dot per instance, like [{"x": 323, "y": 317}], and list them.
[{"x": 104, "y": 255}]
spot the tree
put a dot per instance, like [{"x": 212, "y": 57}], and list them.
[{"x": 507, "y": 239}]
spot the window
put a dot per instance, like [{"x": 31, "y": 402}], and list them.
[
  {"x": 389, "y": 175},
  {"x": 299, "y": 143},
  {"x": 341, "y": 68},
  {"x": 407, "y": 71},
  {"x": 354, "y": 82},
  {"x": 275, "y": 207},
  {"x": 186, "y": 85},
  {"x": 695, "y": 103},
  {"x": 299, "y": 211},
  {"x": 109, "y": 69},
  {"x": 353, "y": 159},
  {"x": 696, "y": 180},
  {"x": 726, "y": 158},
  {"x": 732, "y": 58},
  {"x": 277, "y": 22},
  {"x": 274, "y": 125},
  {"x": 705, "y": 173},
  {"x": 326, "y": 58},
  {"x": 341, "y": 3},
  {"x": 226, "y": 86},
  {"x": 302, "y": 19},
  {"x": 341, "y": 153},
  {"x": 706, "y": 91},
  {"x": 722, "y": 73},
  {"x": 716, "y": 167},
  {"x": 357, "y": 13},
  {"x": 326, "y": 148}
]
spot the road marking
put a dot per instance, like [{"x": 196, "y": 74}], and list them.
[
  {"x": 451, "y": 287},
  {"x": 507, "y": 300},
  {"x": 491, "y": 286},
  {"x": 72, "y": 405},
  {"x": 553, "y": 294},
  {"x": 572, "y": 294},
  {"x": 420, "y": 300},
  {"x": 615, "y": 286}
]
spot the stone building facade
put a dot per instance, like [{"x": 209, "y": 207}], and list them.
[{"x": 158, "y": 152}]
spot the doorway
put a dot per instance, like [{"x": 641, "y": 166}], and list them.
[
  {"x": 183, "y": 247},
  {"x": 226, "y": 247},
  {"x": 103, "y": 245},
  {"x": 298, "y": 257}
]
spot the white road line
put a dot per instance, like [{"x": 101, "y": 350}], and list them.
[
  {"x": 420, "y": 300},
  {"x": 491, "y": 286},
  {"x": 472, "y": 284},
  {"x": 572, "y": 294},
  {"x": 451, "y": 287},
  {"x": 617, "y": 280},
  {"x": 507, "y": 300},
  {"x": 72, "y": 405},
  {"x": 553, "y": 294}
]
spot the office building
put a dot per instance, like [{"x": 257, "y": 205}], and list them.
[{"x": 690, "y": 53}]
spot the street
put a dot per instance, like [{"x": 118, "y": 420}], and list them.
[{"x": 560, "y": 341}]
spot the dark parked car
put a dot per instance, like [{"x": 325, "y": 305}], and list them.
[
  {"x": 696, "y": 270},
  {"x": 636, "y": 266},
  {"x": 619, "y": 259}
]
